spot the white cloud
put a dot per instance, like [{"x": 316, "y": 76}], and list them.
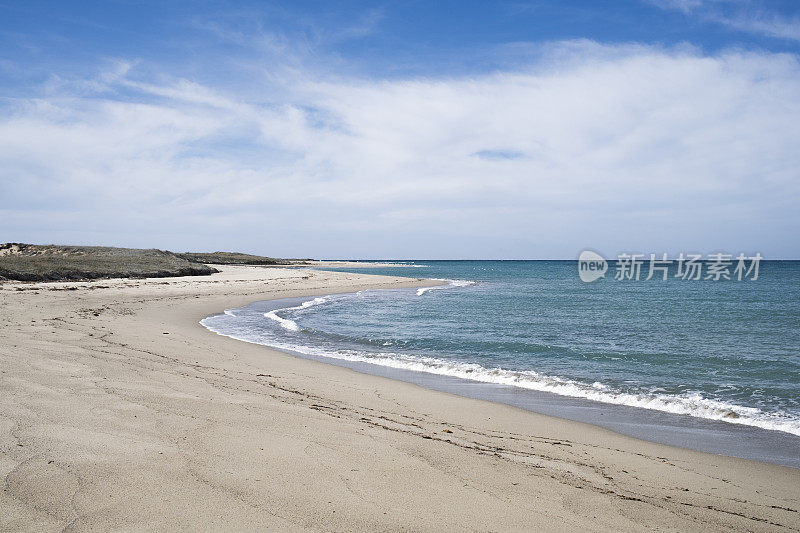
[
  {"x": 766, "y": 24},
  {"x": 742, "y": 15},
  {"x": 613, "y": 147},
  {"x": 682, "y": 5}
]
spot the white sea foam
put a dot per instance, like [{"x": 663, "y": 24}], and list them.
[
  {"x": 288, "y": 323},
  {"x": 687, "y": 404},
  {"x": 401, "y": 263},
  {"x": 285, "y": 323},
  {"x": 450, "y": 284},
  {"x": 406, "y": 265}
]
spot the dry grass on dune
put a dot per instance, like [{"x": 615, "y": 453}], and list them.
[{"x": 32, "y": 262}]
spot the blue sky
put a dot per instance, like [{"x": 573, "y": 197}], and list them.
[{"x": 403, "y": 129}]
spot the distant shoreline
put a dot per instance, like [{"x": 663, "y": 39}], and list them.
[{"x": 323, "y": 263}]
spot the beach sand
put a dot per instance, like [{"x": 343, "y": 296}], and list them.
[{"x": 118, "y": 410}]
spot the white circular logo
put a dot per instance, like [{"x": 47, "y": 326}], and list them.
[{"x": 591, "y": 266}]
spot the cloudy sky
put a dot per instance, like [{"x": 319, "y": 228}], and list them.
[{"x": 403, "y": 129}]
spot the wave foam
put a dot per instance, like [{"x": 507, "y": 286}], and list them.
[
  {"x": 288, "y": 323},
  {"x": 688, "y": 404},
  {"x": 450, "y": 284}
]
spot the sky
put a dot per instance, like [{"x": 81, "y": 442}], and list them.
[{"x": 403, "y": 129}]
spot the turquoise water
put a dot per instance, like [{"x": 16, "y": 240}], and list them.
[{"x": 726, "y": 350}]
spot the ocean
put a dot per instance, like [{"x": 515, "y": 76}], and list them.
[{"x": 686, "y": 362}]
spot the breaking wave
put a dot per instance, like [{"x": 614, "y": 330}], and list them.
[
  {"x": 287, "y": 323},
  {"x": 450, "y": 284}
]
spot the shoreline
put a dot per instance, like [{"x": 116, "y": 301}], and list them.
[
  {"x": 120, "y": 410},
  {"x": 674, "y": 429}
]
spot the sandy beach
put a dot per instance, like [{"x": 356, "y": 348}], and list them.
[{"x": 119, "y": 411}]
